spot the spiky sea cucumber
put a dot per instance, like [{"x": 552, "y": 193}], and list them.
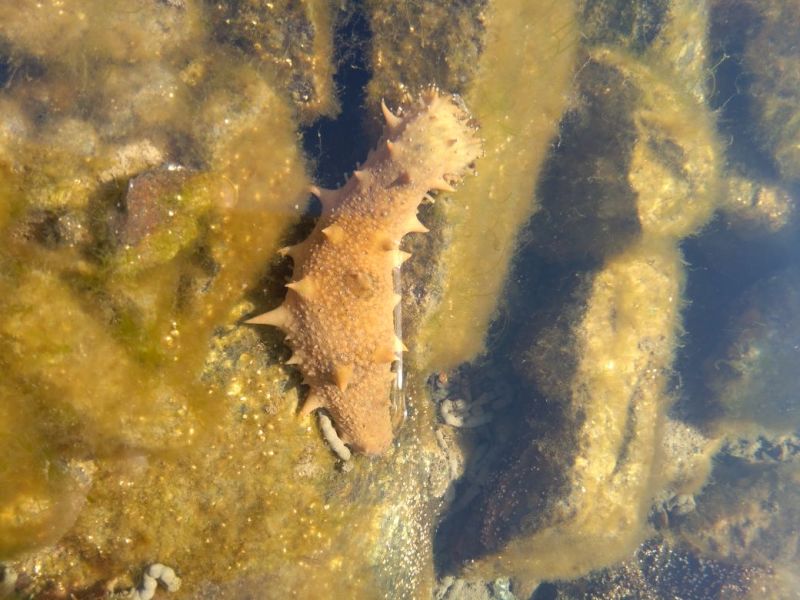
[{"x": 338, "y": 311}]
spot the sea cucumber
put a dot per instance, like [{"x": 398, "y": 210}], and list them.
[{"x": 338, "y": 311}]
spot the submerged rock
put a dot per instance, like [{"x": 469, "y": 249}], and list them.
[
  {"x": 772, "y": 62},
  {"x": 142, "y": 422},
  {"x": 752, "y": 374},
  {"x": 748, "y": 515},
  {"x": 292, "y": 40},
  {"x": 576, "y": 480}
]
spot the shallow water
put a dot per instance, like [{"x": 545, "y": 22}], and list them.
[{"x": 598, "y": 398}]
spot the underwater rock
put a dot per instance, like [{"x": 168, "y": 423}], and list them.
[
  {"x": 530, "y": 52},
  {"x": 161, "y": 215},
  {"x": 752, "y": 373},
  {"x": 573, "y": 492},
  {"x": 764, "y": 449},
  {"x": 292, "y": 40},
  {"x": 675, "y": 163},
  {"x": 451, "y": 588},
  {"x": 660, "y": 569},
  {"x": 146, "y": 202},
  {"x": 654, "y": 130},
  {"x": 772, "y": 64},
  {"x": 755, "y": 208},
  {"x": 574, "y": 487},
  {"x": 629, "y": 24},
  {"x": 748, "y": 514}
]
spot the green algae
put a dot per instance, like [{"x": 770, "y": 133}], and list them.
[
  {"x": 575, "y": 492},
  {"x": 751, "y": 373},
  {"x": 293, "y": 40},
  {"x": 533, "y": 57},
  {"x": 123, "y": 280},
  {"x": 772, "y": 60},
  {"x": 451, "y": 35},
  {"x": 142, "y": 423}
]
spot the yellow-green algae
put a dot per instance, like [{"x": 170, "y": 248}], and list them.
[
  {"x": 772, "y": 62},
  {"x": 625, "y": 339},
  {"x": 517, "y": 96},
  {"x": 752, "y": 373},
  {"x": 292, "y": 39},
  {"x": 748, "y": 514},
  {"x": 249, "y": 502},
  {"x": 193, "y": 453}
]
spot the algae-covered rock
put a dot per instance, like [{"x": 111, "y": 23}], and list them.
[
  {"x": 650, "y": 169},
  {"x": 632, "y": 24},
  {"x": 772, "y": 61},
  {"x": 68, "y": 31},
  {"x": 748, "y": 514},
  {"x": 573, "y": 490},
  {"x": 675, "y": 161},
  {"x": 573, "y": 493},
  {"x": 588, "y": 203},
  {"x": 529, "y": 53},
  {"x": 752, "y": 374},
  {"x": 291, "y": 39},
  {"x": 450, "y": 34},
  {"x": 756, "y": 208}
]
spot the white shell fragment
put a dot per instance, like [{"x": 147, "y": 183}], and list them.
[{"x": 153, "y": 575}]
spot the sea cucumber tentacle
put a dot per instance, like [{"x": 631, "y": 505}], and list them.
[{"x": 338, "y": 311}]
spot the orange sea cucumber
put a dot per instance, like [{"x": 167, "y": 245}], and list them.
[{"x": 338, "y": 311}]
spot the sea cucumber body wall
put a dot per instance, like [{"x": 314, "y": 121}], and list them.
[{"x": 338, "y": 312}]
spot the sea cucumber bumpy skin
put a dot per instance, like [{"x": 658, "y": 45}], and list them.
[{"x": 338, "y": 311}]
